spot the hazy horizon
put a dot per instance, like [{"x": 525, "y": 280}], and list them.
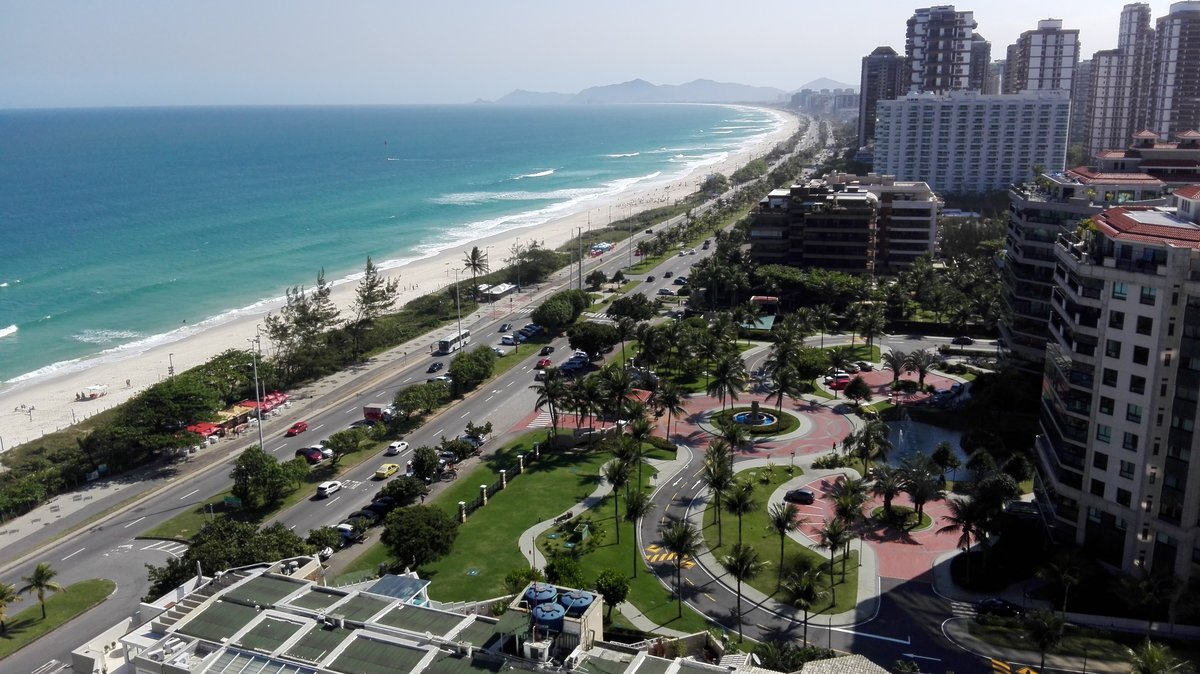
[{"x": 220, "y": 53}]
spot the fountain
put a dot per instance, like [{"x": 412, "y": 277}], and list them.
[
  {"x": 755, "y": 417},
  {"x": 911, "y": 437}
]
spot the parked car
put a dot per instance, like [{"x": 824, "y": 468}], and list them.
[
  {"x": 498, "y": 351},
  {"x": 309, "y": 454},
  {"x": 325, "y": 553},
  {"x": 327, "y": 488},
  {"x": 540, "y": 375},
  {"x": 505, "y": 327},
  {"x": 998, "y": 607},
  {"x": 865, "y": 366},
  {"x": 543, "y": 364},
  {"x": 681, "y": 281},
  {"x": 508, "y": 340},
  {"x": 839, "y": 384},
  {"x": 370, "y": 516},
  {"x": 851, "y": 368},
  {"x": 547, "y": 350},
  {"x": 396, "y": 448},
  {"x": 382, "y": 505},
  {"x": 665, "y": 291},
  {"x": 435, "y": 366},
  {"x": 297, "y": 428},
  {"x": 962, "y": 339},
  {"x": 801, "y": 496},
  {"x": 386, "y": 470}
]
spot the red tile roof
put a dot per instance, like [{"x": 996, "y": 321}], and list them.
[
  {"x": 1087, "y": 176},
  {"x": 1123, "y": 224},
  {"x": 1188, "y": 134},
  {"x": 1145, "y": 133},
  {"x": 1189, "y": 192}
]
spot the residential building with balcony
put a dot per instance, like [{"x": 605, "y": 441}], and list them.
[
  {"x": 884, "y": 77},
  {"x": 1120, "y": 82},
  {"x": 1174, "y": 104},
  {"x": 1176, "y": 162},
  {"x": 1045, "y": 58},
  {"x": 1121, "y": 388},
  {"x": 816, "y": 225},
  {"x": 939, "y": 44}
]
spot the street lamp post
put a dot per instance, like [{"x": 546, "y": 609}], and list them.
[
  {"x": 257, "y": 398},
  {"x": 457, "y": 306}
]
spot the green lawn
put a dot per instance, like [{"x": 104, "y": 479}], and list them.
[
  {"x": 1009, "y": 634},
  {"x": 756, "y": 534},
  {"x": 27, "y": 626}
]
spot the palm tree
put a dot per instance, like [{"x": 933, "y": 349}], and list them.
[
  {"x": 743, "y": 564},
  {"x": 804, "y": 584},
  {"x": 616, "y": 473},
  {"x": 735, "y": 434},
  {"x": 640, "y": 431},
  {"x": 784, "y": 382},
  {"x": 823, "y": 317},
  {"x": 1155, "y": 658},
  {"x": 782, "y": 519},
  {"x": 475, "y": 262},
  {"x": 850, "y": 320},
  {"x": 552, "y": 394},
  {"x": 1044, "y": 629},
  {"x": 888, "y": 483},
  {"x": 682, "y": 540},
  {"x": 967, "y": 518},
  {"x": 872, "y": 442},
  {"x": 625, "y": 329},
  {"x": 618, "y": 386},
  {"x": 717, "y": 473},
  {"x": 1063, "y": 570},
  {"x": 39, "y": 582},
  {"x": 871, "y": 324},
  {"x": 896, "y": 361},
  {"x": 849, "y": 496},
  {"x": 637, "y": 505},
  {"x": 670, "y": 400},
  {"x": 922, "y": 361},
  {"x": 839, "y": 357},
  {"x": 924, "y": 482},
  {"x": 8, "y": 595},
  {"x": 728, "y": 377},
  {"x": 833, "y": 536},
  {"x": 739, "y": 501}
]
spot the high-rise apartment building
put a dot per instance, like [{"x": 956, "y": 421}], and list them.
[
  {"x": 981, "y": 59},
  {"x": 1174, "y": 104},
  {"x": 966, "y": 142},
  {"x": 884, "y": 77},
  {"x": 1045, "y": 58},
  {"x": 1081, "y": 102},
  {"x": 1121, "y": 388},
  {"x": 995, "y": 80},
  {"x": 1120, "y": 83},
  {"x": 938, "y": 45}
]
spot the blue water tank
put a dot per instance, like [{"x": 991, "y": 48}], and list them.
[
  {"x": 576, "y": 602},
  {"x": 540, "y": 593},
  {"x": 550, "y": 615}
]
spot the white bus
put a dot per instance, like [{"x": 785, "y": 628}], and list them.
[{"x": 454, "y": 342}]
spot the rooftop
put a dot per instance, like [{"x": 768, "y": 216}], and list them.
[{"x": 1148, "y": 226}]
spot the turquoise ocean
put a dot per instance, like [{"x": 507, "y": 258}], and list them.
[{"x": 122, "y": 228}]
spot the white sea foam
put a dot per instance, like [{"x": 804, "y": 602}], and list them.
[
  {"x": 623, "y": 154},
  {"x": 539, "y": 174},
  {"x": 104, "y": 336},
  {"x": 10, "y": 330}
]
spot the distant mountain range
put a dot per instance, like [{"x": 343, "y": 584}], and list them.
[{"x": 641, "y": 91}]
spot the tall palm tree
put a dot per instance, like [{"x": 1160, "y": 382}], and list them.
[
  {"x": 1044, "y": 629},
  {"x": 784, "y": 382},
  {"x": 823, "y": 317},
  {"x": 1155, "y": 658},
  {"x": 922, "y": 361},
  {"x": 475, "y": 262},
  {"x": 682, "y": 540},
  {"x": 839, "y": 357},
  {"x": 851, "y": 319},
  {"x": 735, "y": 434},
  {"x": 717, "y": 474},
  {"x": 552, "y": 393},
  {"x": 638, "y": 504},
  {"x": 833, "y": 537},
  {"x": 618, "y": 386},
  {"x": 888, "y": 483},
  {"x": 616, "y": 473},
  {"x": 739, "y": 501},
  {"x": 640, "y": 430},
  {"x": 670, "y": 400},
  {"x": 8, "y": 596},
  {"x": 40, "y": 582},
  {"x": 804, "y": 584},
  {"x": 896, "y": 361},
  {"x": 1063, "y": 570},
  {"x": 728, "y": 377},
  {"x": 923, "y": 483},
  {"x": 743, "y": 564},
  {"x": 872, "y": 442},
  {"x": 783, "y": 519},
  {"x": 871, "y": 325},
  {"x": 626, "y": 327},
  {"x": 966, "y": 518}
]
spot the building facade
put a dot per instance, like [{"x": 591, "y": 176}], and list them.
[
  {"x": 938, "y": 46},
  {"x": 1045, "y": 58},
  {"x": 884, "y": 77},
  {"x": 965, "y": 142},
  {"x": 1120, "y": 82},
  {"x": 1174, "y": 104},
  {"x": 1121, "y": 388}
]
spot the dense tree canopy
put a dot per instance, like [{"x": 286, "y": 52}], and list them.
[{"x": 418, "y": 535}]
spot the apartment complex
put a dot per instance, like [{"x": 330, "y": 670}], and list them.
[
  {"x": 1121, "y": 387},
  {"x": 1042, "y": 59},
  {"x": 854, "y": 224},
  {"x": 884, "y": 77},
  {"x": 938, "y": 46},
  {"x": 964, "y": 141},
  {"x": 1174, "y": 103}
]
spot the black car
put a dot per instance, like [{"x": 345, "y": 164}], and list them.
[
  {"x": 382, "y": 505},
  {"x": 547, "y": 350},
  {"x": 963, "y": 340},
  {"x": 435, "y": 366},
  {"x": 801, "y": 496},
  {"x": 505, "y": 327},
  {"x": 998, "y": 607}
]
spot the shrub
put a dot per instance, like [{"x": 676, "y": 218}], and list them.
[{"x": 830, "y": 461}]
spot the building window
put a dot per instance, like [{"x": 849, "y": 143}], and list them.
[
  {"x": 1141, "y": 355},
  {"x": 1116, "y": 320},
  {"x": 1100, "y": 461},
  {"x": 1133, "y": 413},
  {"x": 1098, "y": 488},
  {"x": 1112, "y": 348},
  {"x": 1124, "y": 497},
  {"x": 1103, "y": 433},
  {"x": 1149, "y": 295},
  {"x": 1127, "y": 469},
  {"x": 1145, "y": 325},
  {"x": 1137, "y": 384},
  {"x": 1120, "y": 290},
  {"x": 1131, "y": 441},
  {"x": 1109, "y": 377},
  {"x": 1106, "y": 405}
]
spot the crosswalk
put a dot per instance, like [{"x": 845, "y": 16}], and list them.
[
  {"x": 173, "y": 548},
  {"x": 657, "y": 555},
  {"x": 542, "y": 420},
  {"x": 962, "y": 609},
  {"x": 599, "y": 318}
]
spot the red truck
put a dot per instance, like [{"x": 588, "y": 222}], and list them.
[{"x": 376, "y": 412}]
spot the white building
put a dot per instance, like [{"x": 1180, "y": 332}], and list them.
[
  {"x": 964, "y": 141},
  {"x": 1120, "y": 82},
  {"x": 1122, "y": 385}
]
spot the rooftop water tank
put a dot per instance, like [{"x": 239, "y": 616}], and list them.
[
  {"x": 540, "y": 593},
  {"x": 576, "y": 602},
  {"x": 550, "y": 615}
]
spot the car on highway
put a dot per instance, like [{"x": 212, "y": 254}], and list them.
[
  {"x": 396, "y": 448},
  {"x": 310, "y": 455},
  {"x": 668, "y": 273},
  {"x": 324, "y": 449},
  {"x": 370, "y": 516},
  {"x": 692, "y": 251},
  {"x": 382, "y": 505},
  {"x": 681, "y": 281},
  {"x": 543, "y": 364},
  {"x": 505, "y": 327},
  {"x": 327, "y": 488},
  {"x": 387, "y": 470},
  {"x": 440, "y": 377},
  {"x": 665, "y": 291},
  {"x": 651, "y": 279},
  {"x": 801, "y": 496},
  {"x": 435, "y": 366},
  {"x": 297, "y": 428},
  {"x": 963, "y": 340},
  {"x": 998, "y": 607},
  {"x": 547, "y": 350}
]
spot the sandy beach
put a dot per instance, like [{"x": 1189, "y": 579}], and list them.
[{"x": 40, "y": 405}]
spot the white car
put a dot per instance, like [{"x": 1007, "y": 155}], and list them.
[
  {"x": 396, "y": 448},
  {"x": 325, "y": 451},
  {"x": 327, "y": 488}
]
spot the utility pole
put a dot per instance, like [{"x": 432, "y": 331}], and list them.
[
  {"x": 257, "y": 398},
  {"x": 457, "y": 306},
  {"x": 579, "y": 237}
]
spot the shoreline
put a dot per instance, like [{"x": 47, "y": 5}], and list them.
[{"x": 44, "y": 403}]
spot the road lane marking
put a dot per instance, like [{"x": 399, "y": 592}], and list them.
[
  {"x": 351, "y": 410},
  {"x": 697, "y": 484},
  {"x": 188, "y": 494},
  {"x": 331, "y": 501},
  {"x": 439, "y": 431},
  {"x": 319, "y": 427},
  {"x": 278, "y": 448},
  {"x": 73, "y": 554},
  {"x": 134, "y": 522},
  {"x": 488, "y": 399},
  {"x": 381, "y": 394},
  {"x": 710, "y": 597},
  {"x": 464, "y": 415}
]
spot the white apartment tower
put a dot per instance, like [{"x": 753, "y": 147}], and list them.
[
  {"x": 1174, "y": 104},
  {"x": 965, "y": 142},
  {"x": 1118, "y": 454},
  {"x": 938, "y": 44},
  {"x": 1121, "y": 82},
  {"x": 1045, "y": 58}
]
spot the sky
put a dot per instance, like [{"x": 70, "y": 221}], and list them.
[{"x": 103, "y": 53}]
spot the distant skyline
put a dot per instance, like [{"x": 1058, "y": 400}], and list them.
[{"x": 148, "y": 52}]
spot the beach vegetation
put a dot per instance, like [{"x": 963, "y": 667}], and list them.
[
  {"x": 476, "y": 262},
  {"x": 593, "y": 337},
  {"x": 751, "y": 171},
  {"x": 374, "y": 297}
]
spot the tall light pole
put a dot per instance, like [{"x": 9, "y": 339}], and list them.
[
  {"x": 457, "y": 306},
  {"x": 257, "y": 398}
]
